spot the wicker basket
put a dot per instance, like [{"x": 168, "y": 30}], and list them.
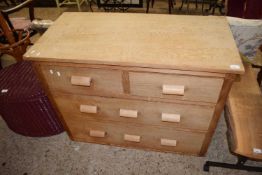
[{"x": 23, "y": 103}]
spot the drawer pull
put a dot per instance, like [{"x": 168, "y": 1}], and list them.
[
  {"x": 88, "y": 109},
  {"x": 173, "y": 89},
  {"x": 81, "y": 81},
  {"x": 128, "y": 113},
  {"x": 170, "y": 117},
  {"x": 132, "y": 138},
  {"x": 168, "y": 142},
  {"x": 97, "y": 133}
]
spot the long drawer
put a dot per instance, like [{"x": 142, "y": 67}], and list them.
[
  {"x": 137, "y": 136},
  {"x": 135, "y": 111},
  {"x": 182, "y": 87},
  {"x": 83, "y": 80}
]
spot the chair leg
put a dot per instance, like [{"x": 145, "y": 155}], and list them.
[
  {"x": 89, "y": 3},
  {"x": 221, "y": 7},
  {"x": 58, "y": 5},
  {"x": 239, "y": 165},
  {"x": 203, "y": 4},
  {"x": 187, "y": 8},
  {"x": 196, "y": 4},
  {"x": 169, "y": 6},
  {"x": 147, "y": 5},
  {"x": 182, "y": 4},
  {"x": 172, "y": 4},
  {"x": 152, "y": 3},
  {"x": 214, "y": 7},
  {"x": 78, "y": 5}
]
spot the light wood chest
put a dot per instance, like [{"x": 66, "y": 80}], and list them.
[{"x": 155, "y": 82}]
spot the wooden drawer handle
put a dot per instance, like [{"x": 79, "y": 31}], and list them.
[
  {"x": 80, "y": 80},
  {"x": 168, "y": 142},
  {"x": 170, "y": 117},
  {"x": 173, "y": 89},
  {"x": 128, "y": 113},
  {"x": 132, "y": 138},
  {"x": 97, "y": 133},
  {"x": 88, "y": 109}
]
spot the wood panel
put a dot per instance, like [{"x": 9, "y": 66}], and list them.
[
  {"x": 103, "y": 81},
  {"x": 229, "y": 79},
  {"x": 149, "y": 137},
  {"x": 192, "y": 117},
  {"x": 196, "y": 88},
  {"x": 245, "y": 108},
  {"x": 134, "y": 69},
  {"x": 198, "y": 43}
]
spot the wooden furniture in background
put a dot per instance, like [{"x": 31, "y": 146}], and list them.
[
  {"x": 15, "y": 41},
  {"x": 20, "y": 23},
  {"x": 171, "y": 4},
  {"x": 135, "y": 80},
  {"x": 16, "y": 32},
  {"x": 243, "y": 116},
  {"x": 61, "y": 3}
]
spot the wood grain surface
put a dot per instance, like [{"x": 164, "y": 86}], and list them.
[
  {"x": 203, "y": 89},
  {"x": 192, "y": 117},
  {"x": 149, "y": 137},
  {"x": 245, "y": 107},
  {"x": 203, "y": 43}
]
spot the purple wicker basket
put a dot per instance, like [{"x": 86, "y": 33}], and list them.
[{"x": 24, "y": 105}]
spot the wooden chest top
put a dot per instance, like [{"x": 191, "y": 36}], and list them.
[{"x": 198, "y": 43}]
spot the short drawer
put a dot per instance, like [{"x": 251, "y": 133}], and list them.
[
  {"x": 137, "y": 136},
  {"x": 182, "y": 87},
  {"x": 78, "y": 80},
  {"x": 136, "y": 111}
]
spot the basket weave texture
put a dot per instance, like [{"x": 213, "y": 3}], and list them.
[{"x": 24, "y": 105}]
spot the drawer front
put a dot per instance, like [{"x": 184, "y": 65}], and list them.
[
  {"x": 137, "y": 136},
  {"x": 79, "y": 80},
  {"x": 182, "y": 87},
  {"x": 134, "y": 111}
]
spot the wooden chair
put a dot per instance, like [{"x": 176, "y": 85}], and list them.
[
  {"x": 15, "y": 33},
  {"x": 17, "y": 40},
  {"x": 244, "y": 118},
  {"x": 187, "y": 3},
  {"x": 220, "y": 4},
  {"x": 60, "y": 3},
  {"x": 20, "y": 23},
  {"x": 170, "y": 5}
]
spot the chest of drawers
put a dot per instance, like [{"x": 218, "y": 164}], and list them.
[{"x": 142, "y": 81}]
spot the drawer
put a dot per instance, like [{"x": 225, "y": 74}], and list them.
[
  {"x": 134, "y": 111},
  {"x": 79, "y": 80},
  {"x": 137, "y": 136},
  {"x": 182, "y": 87}
]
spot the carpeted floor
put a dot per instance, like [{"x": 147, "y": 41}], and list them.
[{"x": 59, "y": 155}]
